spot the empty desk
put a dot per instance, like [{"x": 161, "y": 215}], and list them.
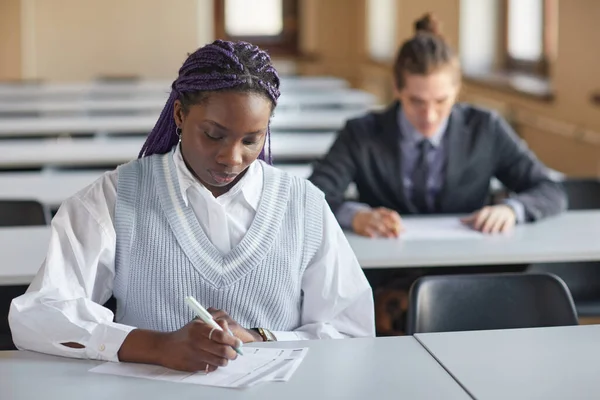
[
  {"x": 314, "y": 120},
  {"x": 112, "y": 151},
  {"x": 23, "y": 249},
  {"x": 384, "y": 368},
  {"x": 153, "y": 104},
  {"x": 111, "y": 89},
  {"x": 529, "y": 364}
]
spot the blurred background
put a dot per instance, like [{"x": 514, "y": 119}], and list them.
[{"x": 535, "y": 61}]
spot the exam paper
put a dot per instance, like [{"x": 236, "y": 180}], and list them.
[
  {"x": 255, "y": 366},
  {"x": 437, "y": 228}
]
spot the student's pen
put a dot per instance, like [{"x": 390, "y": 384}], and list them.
[{"x": 208, "y": 319}]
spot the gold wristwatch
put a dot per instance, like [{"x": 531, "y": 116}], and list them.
[{"x": 267, "y": 335}]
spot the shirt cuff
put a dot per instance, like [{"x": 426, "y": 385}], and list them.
[
  {"x": 106, "y": 340},
  {"x": 287, "y": 336},
  {"x": 518, "y": 208},
  {"x": 346, "y": 212}
]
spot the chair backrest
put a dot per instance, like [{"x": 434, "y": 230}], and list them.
[
  {"x": 583, "y": 194},
  {"x": 488, "y": 301},
  {"x": 23, "y": 213}
]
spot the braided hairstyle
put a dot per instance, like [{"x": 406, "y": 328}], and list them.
[{"x": 219, "y": 66}]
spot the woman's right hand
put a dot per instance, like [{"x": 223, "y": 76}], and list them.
[
  {"x": 377, "y": 222},
  {"x": 192, "y": 348}
]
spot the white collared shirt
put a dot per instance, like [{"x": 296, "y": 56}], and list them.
[{"x": 63, "y": 303}]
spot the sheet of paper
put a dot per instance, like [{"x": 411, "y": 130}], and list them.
[
  {"x": 255, "y": 366},
  {"x": 437, "y": 228}
]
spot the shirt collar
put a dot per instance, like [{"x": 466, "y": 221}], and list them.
[
  {"x": 410, "y": 134},
  {"x": 250, "y": 186}
]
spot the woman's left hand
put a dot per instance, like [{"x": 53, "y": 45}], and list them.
[{"x": 245, "y": 335}]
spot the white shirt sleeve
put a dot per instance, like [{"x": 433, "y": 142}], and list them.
[
  {"x": 338, "y": 300},
  {"x": 63, "y": 303}
]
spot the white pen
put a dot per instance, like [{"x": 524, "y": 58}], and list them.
[{"x": 208, "y": 319}]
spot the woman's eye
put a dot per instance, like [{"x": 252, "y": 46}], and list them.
[{"x": 208, "y": 135}]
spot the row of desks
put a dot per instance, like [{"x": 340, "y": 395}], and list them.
[
  {"x": 53, "y": 187},
  {"x": 90, "y": 152},
  {"x": 59, "y": 90},
  {"x": 570, "y": 237},
  {"x": 529, "y": 364},
  {"x": 314, "y": 120},
  {"x": 154, "y": 103}
]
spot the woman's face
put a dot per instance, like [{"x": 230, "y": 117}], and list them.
[
  {"x": 222, "y": 136},
  {"x": 427, "y": 100}
]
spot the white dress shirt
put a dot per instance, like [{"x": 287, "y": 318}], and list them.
[{"x": 63, "y": 303}]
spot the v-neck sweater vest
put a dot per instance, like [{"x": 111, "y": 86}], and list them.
[{"x": 164, "y": 255}]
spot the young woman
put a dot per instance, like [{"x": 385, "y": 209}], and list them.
[
  {"x": 427, "y": 154},
  {"x": 197, "y": 214}
]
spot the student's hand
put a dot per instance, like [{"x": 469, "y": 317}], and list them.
[
  {"x": 493, "y": 219},
  {"x": 377, "y": 222},
  {"x": 191, "y": 349},
  {"x": 245, "y": 335}
]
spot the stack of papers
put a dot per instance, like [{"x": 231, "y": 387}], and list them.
[{"x": 257, "y": 365}]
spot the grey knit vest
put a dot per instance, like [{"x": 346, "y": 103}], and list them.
[{"x": 164, "y": 255}]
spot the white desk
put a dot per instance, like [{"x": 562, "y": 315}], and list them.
[
  {"x": 529, "y": 364},
  {"x": 53, "y": 187},
  {"x": 113, "y": 151},
  {"x": 22, "y": 251},
  {"x": 154, "y": 103},
  {"x": 50, "y": 188},
  {"x": 573, "y": 236},
  {"x": 381, "y": 368},
  {"x": 54, "y": 90},
  {"x": 315, "y": 120},
  {"x": 570, "y": 237}
]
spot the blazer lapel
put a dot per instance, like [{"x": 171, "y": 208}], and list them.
[
  {"x": 394, "y": 162},
  {"x": 458, "y": 146}
]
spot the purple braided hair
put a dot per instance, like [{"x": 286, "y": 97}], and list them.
[{"x": 221, "y": 65}]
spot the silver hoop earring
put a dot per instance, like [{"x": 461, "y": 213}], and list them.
[{"x": 178, "y": 132}]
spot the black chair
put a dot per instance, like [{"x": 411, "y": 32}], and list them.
[
  {"x": 23, "y": 213},
  {"x": 488, "y": 301},
  {"x": 15, "y": 213},
  {"x": 582, "y": 278}
]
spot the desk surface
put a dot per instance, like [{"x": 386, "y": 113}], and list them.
[
  {"x": 529, "y": 364},
  {"x": 54, "y": 187},
  {"x": 572, "y": 236},
  {"x": 23, "y": 249},
  {"x": 305, "y": 146},
  {"x": 329, "y": 120},
  {"x": 381, "y": 368},
  {"x": 156, "y": 102},
  {"x": 53, "y": 90}
]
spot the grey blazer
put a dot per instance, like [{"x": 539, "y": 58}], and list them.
[{"x": 481, "y": 145}]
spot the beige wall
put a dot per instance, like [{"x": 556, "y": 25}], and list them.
[
  {"x": 75, "y": 39},
  {"x": 10, "y": 39}
]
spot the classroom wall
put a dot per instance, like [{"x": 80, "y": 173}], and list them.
[
  {"x": 74, "y": 40},
  {"x": 10, "y": 39}
]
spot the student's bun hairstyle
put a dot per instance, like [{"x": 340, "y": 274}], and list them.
[
  {"x": 216, "y": 67},
  {"x": 426, "y": 52}
]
